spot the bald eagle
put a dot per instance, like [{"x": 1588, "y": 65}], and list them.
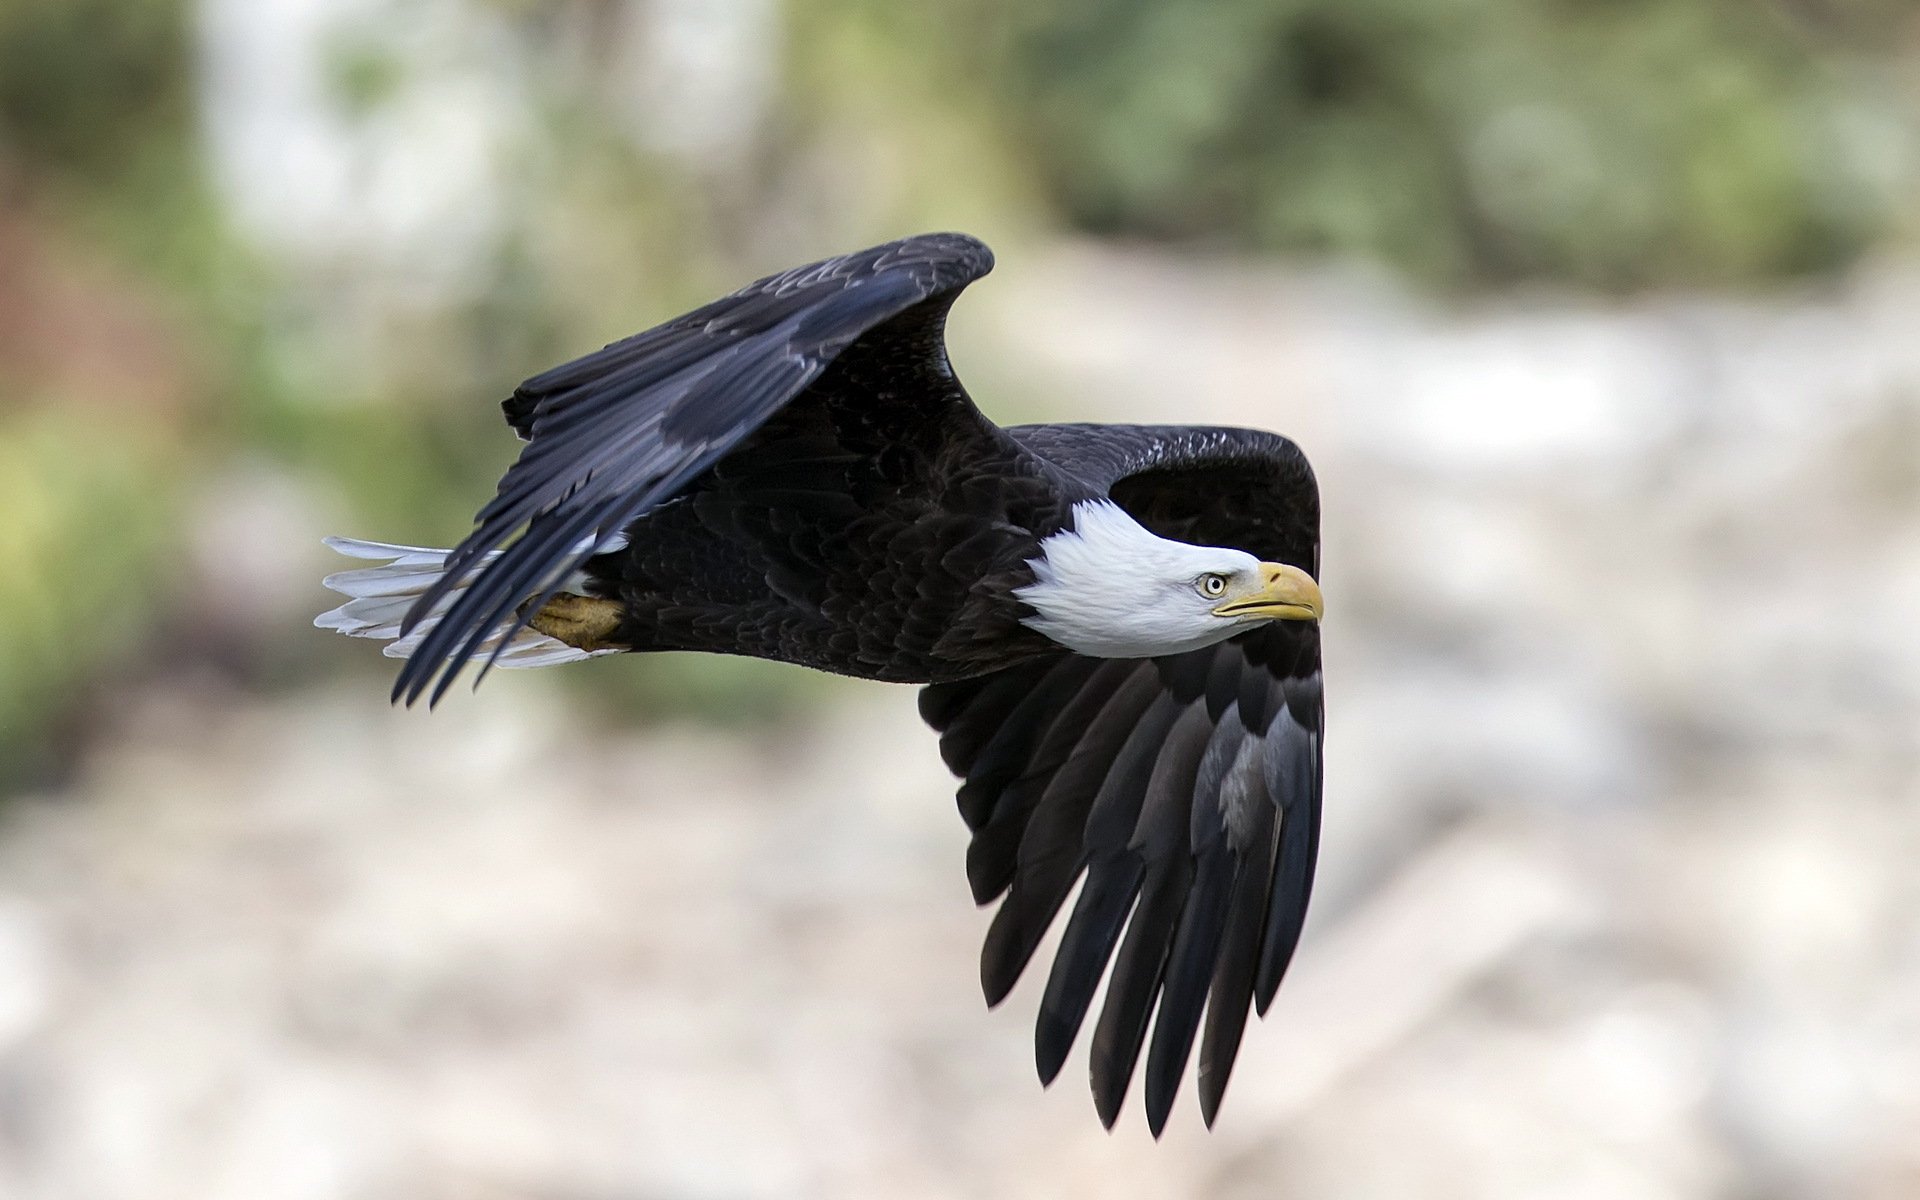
[{"x": 1117, "y": 626}]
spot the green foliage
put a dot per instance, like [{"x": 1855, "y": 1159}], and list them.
[
  {"x": 88, "y": 86},
  {"x": 1617, "y": 143},
  {"x": 87, "y": 516}
]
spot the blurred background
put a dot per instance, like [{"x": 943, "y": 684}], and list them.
[{"x": 1601, "y": 321}]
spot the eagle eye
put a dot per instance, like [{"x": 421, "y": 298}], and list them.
[{"x": 1213, "y": 586}]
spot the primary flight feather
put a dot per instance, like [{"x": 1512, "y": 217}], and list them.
[{"x": 1118, "y": 625}]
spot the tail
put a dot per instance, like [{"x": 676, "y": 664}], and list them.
[{"x": 379, "y": 597}]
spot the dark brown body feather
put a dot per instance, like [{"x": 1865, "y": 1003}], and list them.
[{"x": 880, "y": 541}]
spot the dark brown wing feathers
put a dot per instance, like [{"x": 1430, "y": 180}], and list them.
[
  {"x": 1186, "y": 788},
  {"x": 621, "y": 431}
]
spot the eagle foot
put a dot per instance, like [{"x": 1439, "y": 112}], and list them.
[{"x": 583, "y": 622}]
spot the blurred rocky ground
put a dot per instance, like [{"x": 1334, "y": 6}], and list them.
[{"x": 1617, "y": 897}]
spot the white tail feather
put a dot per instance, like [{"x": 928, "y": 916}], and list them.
[{"x": 378, "y": 597}]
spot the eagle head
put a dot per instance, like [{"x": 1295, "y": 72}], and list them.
[{"x": 1107, "y": 587}]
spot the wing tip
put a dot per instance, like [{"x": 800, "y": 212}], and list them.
[
  {"x": 1107, "y": 1104},
  {"x": 1212, "y": 1082},
  {"x": 1053, "y": 1038}
]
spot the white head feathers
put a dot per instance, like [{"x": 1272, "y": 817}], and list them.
[{"x": 1107, "y": 587}]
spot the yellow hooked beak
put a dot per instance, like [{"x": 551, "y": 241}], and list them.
[{"x": 1288, "y": 594}]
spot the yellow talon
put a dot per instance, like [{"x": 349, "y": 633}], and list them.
[{"x": 583, "y": 622}]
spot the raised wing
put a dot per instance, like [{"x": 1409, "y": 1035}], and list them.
[
  {"x": 624, "y": 429},
  {"x": 1185, "y": 788}
]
